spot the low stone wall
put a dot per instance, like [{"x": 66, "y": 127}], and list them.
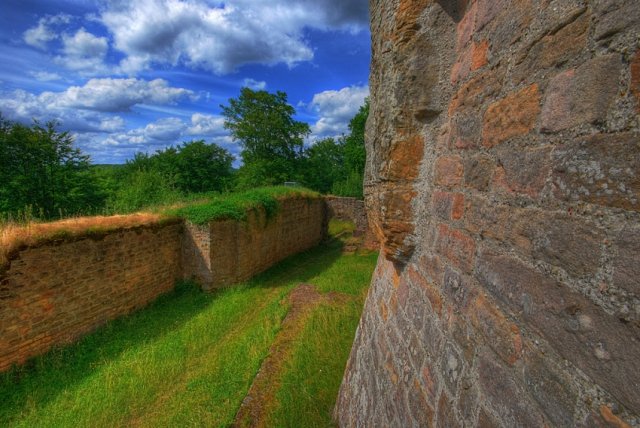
[
  {"x": 54, "y": 293},
  {"x": 352, "y": 209},
  {"x": 227, "y": 252}
]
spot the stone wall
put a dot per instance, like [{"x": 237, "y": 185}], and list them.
[
  {"x": 503, "y": 182},
  {"x": 227, "y": 252},
  {"x": 352, "y": 209},
  {"x": 54, "y": 293}
]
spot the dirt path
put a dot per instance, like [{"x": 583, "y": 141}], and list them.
[{"x": 261, "y": 396}]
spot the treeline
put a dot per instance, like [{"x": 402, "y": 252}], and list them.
[{"x": 42, "y": 174}]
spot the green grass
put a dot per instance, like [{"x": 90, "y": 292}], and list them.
[
  {"x": 190, "y": 357},
  {"x": 234, "y": 206}
]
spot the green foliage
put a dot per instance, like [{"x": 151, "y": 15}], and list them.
[
  {"x": 338, "y": 167},
  {"x": 143, "y": 189},
  {"x": 234, "y": 206},
  {"x": 41, "y": 172},
  {"x": 271, "y": 140}
]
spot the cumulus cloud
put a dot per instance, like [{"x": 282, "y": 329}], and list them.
[
  {"x": 207, "y": 125},
  {"x": 335, "y": 109},
  {"x": 90, "y": 108},
  {"x": 223, "y": 36},
  {"x": 45, "y": 32},
  {"x": 23, "y": 106},
  {"x": 83, "y": 51},
  {"x": 117, "y": 95}
]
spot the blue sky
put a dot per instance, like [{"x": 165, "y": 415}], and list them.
[{"x": 125, "y": 76}]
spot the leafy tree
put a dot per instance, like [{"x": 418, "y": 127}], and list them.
[
  {"x": 271, "y": 140},
  {"x": 351, "y": 181},
  {"x": 323, "y": 165},
  {"x": 203, "y": 167},
  {"x": 41, "y": 172}
]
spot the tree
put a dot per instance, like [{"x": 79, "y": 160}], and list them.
[
  {"x": 271, "y": 140},
  {"x": 323, "y": 165},
  {"x": 42, "y": 173},
  {"x": 353, "y": 146}
]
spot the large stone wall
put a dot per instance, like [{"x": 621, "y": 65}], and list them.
[
  {"x": 503, "y": 180},
  {"x": 352, "y": 209},
  {"x": 54, "y": 293},
  {"x": 227, "y": 252}
]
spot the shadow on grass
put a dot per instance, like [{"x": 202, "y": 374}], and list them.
[{"x": 43, "y": 378}]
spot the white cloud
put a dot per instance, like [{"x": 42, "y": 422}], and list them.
[
  {"x": 45, "y": 76},
  {"x": 207, "y": 125},
  {"x": 84, "y": 51},
  {"x": 23, "y": 106},
  {"x": 117, "y": 95},
  {"x": 335, "y": 109},
  {"x": 43, "y": 33},
  {"x": 223, "y": 36},
  {"x": 256, "y": 85}
]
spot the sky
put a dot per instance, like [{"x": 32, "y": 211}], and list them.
[{"x": 127, "y": 76}]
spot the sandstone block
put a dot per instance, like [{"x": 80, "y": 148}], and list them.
[
  {"x": 582, "y": 95},
  {"x": 465, "y": 130},
  {"x": 449, "y": 171},
  {"x": 597, "y": 343},
  {"x": 614, "y": 16},
  {"x": 635, "y": 77},
  {"x": 476, "y": 91},
  {"x": 602, "y": 169},
  {"x": 457, "y": 246},
  {"x": 448, "y": 206},
  {"x": 478, "y": 172},
  {"x": 514, "y": 115},
  {"x": 523, "y": 171},
  {"x": 626, "y": 271}
]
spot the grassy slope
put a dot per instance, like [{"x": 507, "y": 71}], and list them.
[{"x": 189, "y": 359}]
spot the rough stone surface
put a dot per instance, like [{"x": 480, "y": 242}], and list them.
[
  {"x": 507, "y": 290},
  {"x": 227, "y": 252},
  {"x": 55, "y": 293}
]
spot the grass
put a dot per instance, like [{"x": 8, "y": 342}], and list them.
[
  {"x": 234, "y": 206},
  {"x": 189, "y": 358}
]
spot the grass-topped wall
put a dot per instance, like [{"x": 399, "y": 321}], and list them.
[{"x": 61, "y": 280}]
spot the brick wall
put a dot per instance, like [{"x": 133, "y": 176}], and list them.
[
  {"x": 227, "y": 252},
  {"x": 503, "y": 182},
  {"x": 56, "y": 292}
]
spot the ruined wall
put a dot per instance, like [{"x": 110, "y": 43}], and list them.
[
  {"x": 352, "y": 209},
  {"x": 503, "y": 182},
  {"x": 227, "y": 252},
  {"x": 54, "y": 293}
]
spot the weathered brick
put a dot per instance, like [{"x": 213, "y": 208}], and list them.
[
  {"x": 602, "y": 169},
  {"x": 471, "y": 59},
  {"x": 556, "y": 47},
  {"x": 635, "y": 78},
  {"x": 446, "y": 415},
  {"x": 513, "y": 116},
  {"x": 614, "y": 16},
  {"x": 478, "y": 172},
  {"x": 551, "y": 388},
  {"x": 457, "y": 246},
  {"x": 449, "y": 171},
  {"x": 583, "y": 95},
  {"x": 448, "y": 206},
  {"x": 626, "y": 266},
  {"x": 465, "y": 130},
  {"x": 523, "y": 171},
  {"x": 597, "y": 343},
  {"x": 487, "y": 219},
  {"x": 476, "y": 91},
  {"x": 419, "y": 406},
  {"x": 500, "y": 334},
  {"x": 500, "y": 388}
]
